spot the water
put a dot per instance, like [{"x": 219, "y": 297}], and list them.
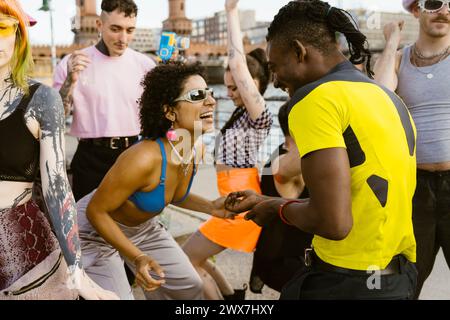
[{"x": 274, "y": 99}]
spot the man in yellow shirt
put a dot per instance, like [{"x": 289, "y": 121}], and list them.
[{"x": 357, "y": 143}]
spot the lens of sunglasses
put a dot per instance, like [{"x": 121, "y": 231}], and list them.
[
  {"x": 433, "y": 5},
  {"x": 196, "y": 95},
  {"x": 7, "y": 27},
  {"x": 199, "y": 94}
]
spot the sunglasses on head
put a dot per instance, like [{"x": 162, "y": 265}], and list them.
[
  {"x": 433, "y": 6},
  {"x": 196, "y": 95},
  {"x": 8, "y": 26}
]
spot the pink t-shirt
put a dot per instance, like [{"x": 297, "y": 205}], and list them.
[{"x": 106, "y": 93}]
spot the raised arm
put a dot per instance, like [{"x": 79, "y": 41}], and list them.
[
  {"x": 46, "y": 108},
  {"x": 66, "y": 77},
  {"x": 253, "y": 100},
  {"x": 387, "y": 66}
]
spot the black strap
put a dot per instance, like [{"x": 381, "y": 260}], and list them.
[{"x": 27, "y": 98}]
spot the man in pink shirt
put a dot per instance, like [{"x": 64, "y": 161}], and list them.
[{"x": 101, "y": 85}]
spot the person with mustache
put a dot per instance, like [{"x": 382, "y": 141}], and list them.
[
  {"x": 100, "y": 85},
  {"x": 420, "y": 74}
]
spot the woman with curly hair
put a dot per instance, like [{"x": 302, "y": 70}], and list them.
[
  {"x": 246, "y": 79},
  {"x": 118, "y": 220},
  {"x": 38, "y": 259}
]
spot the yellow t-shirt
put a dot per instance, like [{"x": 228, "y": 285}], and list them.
[{"x": 346, "y": 109}]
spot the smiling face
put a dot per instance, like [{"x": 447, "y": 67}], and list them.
[
  {"x": 8, "y": 29},
  {"x": 117, "y": 31},
  {"x": 187, "y": 114},
  {"x": 232, "y": 89},
  {"x": 434, "y": 25},
  {"x": 288, "y": 72}
]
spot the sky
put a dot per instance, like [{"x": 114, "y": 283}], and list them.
[{"x": 153, "y": 12}]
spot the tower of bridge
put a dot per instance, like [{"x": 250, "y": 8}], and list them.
[
  {"x": 84, "y": 23},
  {"x": 177, "y": 21}
]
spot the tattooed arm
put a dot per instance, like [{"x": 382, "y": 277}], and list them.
[
  {"x": 66, "y": 92},
  {"x": 253, "y": 100},
  {"x": 66, "y": 77},
  {"x": 46, "y": 109}
]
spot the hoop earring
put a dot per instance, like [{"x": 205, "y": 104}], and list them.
[{"x": 171, "y": 135}]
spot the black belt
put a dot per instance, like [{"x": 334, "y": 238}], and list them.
[
  {"x": 113, "y": 142},
  {"x": 427, "y": 173},
  {"x": 312, "y": 260}
]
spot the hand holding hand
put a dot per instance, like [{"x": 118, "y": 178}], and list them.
[
  {"x": 219, "y": 210},
  {"x": 242, "y": 201},
  {"x": 149, "y": 274},
  {"x": 264, "y": 212}
]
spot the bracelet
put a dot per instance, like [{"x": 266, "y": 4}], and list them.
[
  {"x": 280, "y": 211},
  {"x": 137, "y": 257}
]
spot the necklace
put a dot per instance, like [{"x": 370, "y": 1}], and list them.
[
  {"x": 184, "y": 164},
  {"x": 421, "y": 56},
  {"x": 429, "y": 74}
]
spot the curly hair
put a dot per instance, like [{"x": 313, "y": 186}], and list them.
[
  {"x": 316, "y": 23},
  {"x": 128, "y": 7},
  {"x": 162, "y": 85}
]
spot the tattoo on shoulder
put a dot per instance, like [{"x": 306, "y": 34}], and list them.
[
  {"x": 9, "y": 101},
  {"x": 46, "y": 108}
]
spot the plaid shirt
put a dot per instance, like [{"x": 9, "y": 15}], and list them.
[{"x": 239, "y": 145}]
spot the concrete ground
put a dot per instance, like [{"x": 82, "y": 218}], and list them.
[{"x": 236, "y": 265}]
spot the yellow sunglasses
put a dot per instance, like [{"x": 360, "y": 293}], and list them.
[{"x": 8, "y": 26}]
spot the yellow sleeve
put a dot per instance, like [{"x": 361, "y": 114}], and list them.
[{"x": 317, "y": 122}]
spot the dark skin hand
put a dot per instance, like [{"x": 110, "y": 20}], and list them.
[
  {"x": 328, "y": 211},
  {"x": 261, "y": 213}
]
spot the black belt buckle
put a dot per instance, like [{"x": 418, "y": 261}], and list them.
[{"x": 308, "y": 257}]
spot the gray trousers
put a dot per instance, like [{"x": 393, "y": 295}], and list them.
[{"x": 105, "y": 265}]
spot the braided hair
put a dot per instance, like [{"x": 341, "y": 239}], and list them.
[{"x": 316, "y": 23}]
